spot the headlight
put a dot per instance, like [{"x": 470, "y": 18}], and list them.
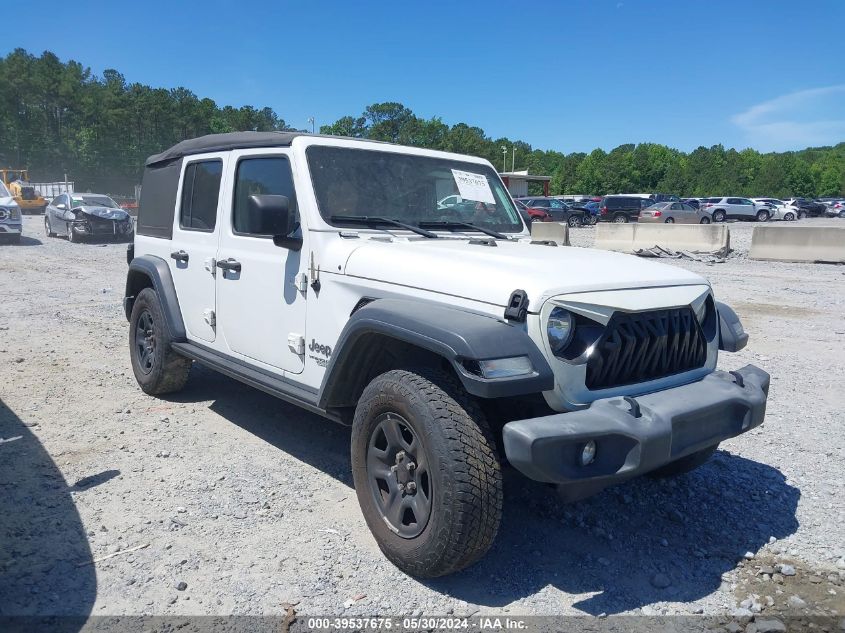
[
  {"x": 560, "y": 329},
  {"x": 4, "y": 213}
]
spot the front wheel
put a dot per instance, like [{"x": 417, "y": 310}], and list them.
[
  {"x": 719, "y": 216},
  {"x": 47, "y": 228},
  {"x": 426, "y": 472},
  {"x": 157, "y": 368},
  {"x": 72, "y": 236},
  {"x": 789, "y": 217},
  {"x": 574, "y": 220}
]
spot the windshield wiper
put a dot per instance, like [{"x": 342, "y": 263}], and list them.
[
  {"x": 450, "y": 224},
  {"x": 373, "y": 220}
]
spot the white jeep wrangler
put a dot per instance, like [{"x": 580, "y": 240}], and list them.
[{"x": 323, "y": 270}]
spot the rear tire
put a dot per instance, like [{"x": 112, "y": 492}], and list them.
[
  {"x": 620, "y": 218},
  {"x": 705, "y": 221},
  {"x": 762, "y": 216},
  {"x": 424, "y": 417},
  {"x": 685, "y": 464},
  {"x": 670, "y": 221},
  {"x": 157, "y": 368},
  {"x": 802, "y": 215},
  {"x": 719, "y": 216}
]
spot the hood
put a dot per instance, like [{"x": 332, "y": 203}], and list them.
[
  {"x": 105, "y": 213},
  {"x": 8, "y": 201},
  {"x": 491, "y": 273}
]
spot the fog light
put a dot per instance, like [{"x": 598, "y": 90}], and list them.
[{"x": 588, "y": 454}]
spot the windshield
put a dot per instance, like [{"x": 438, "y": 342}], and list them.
[
  {"x": 4, "y": 193},
  {"x": 94, "y": 201},
  {"x": 409, "y": 189}
]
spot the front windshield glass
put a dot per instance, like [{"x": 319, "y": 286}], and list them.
[
  {"x": 95, "y": 201},
  {"x": 4, "y": 193},
  {"x": 409, "y": 189}
]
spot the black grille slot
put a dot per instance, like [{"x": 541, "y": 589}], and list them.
[{"x": 644, "y": 346}]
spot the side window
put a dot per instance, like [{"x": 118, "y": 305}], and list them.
[
  {"x": 260, "y": 176},
  {"x": 59, "y": 200},
  {"x": 734, "y": 201},
  {"x": 200, "y": 191}
]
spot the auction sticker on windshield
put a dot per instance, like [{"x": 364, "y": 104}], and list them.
[{"x": 473, "y": 186}]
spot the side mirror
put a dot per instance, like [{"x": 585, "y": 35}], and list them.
[
  {"x": 272, "y": 215},
  {"x": 62, "y": 206}
]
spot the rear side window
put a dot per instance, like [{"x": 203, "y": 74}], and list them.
[
  {"x": 200, "y": 192},
  {"x": 260, "y": 176}
]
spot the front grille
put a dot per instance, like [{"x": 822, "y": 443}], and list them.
[{"x": 644, "y": 346}]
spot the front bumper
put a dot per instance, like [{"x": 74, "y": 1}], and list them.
[
  {"x": 11, "y": 228},
  {"x": 671, "y": 424}
]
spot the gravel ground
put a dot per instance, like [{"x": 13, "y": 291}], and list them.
[{"x": 223, "y": 500}]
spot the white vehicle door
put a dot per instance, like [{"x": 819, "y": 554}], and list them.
[
  {"x": 261, "y": 313},
  {"x": 194, "y": 243}
]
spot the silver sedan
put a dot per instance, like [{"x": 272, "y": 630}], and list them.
[{"x": 674, "y": 212}]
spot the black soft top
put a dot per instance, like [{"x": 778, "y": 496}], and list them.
[{"x": 223, "y": 142}]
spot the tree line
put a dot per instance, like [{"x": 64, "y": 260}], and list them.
[{"x": 59, "y": 118}]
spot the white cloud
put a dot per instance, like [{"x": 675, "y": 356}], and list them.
[{"x": 795, "y": 120}]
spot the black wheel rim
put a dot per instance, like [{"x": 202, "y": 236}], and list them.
[
  {"x": 145, "y": 343},
  {"x": 398, "y": 476}
]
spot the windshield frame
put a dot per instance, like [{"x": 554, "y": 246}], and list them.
[
  {"x": 85, "y": 203},
  {"x": 447, "y": 160}
]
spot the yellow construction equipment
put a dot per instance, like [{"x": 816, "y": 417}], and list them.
[{"x": 28, "y": 199}]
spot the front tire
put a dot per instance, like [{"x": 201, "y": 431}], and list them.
[
  {"x": 157, "y": 368},
  {"x": 685, "y": 464},
  {"x": 789, "y": 217},
  {"x": 574, "y": 221},
  {"x": 426, "y": 473},
  {"x": 47, "y": 228},
  {"x": 71, "y": 236}
]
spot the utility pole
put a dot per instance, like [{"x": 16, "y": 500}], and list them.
[
  {"x": 504, "y": 159},
  {"x": 513, "y": 158},
  {"x": 311, "y": 121}
]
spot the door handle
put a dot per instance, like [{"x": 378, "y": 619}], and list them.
[
  {"x": 229, "y": 264},
  {"x": 179, "y": 256}
]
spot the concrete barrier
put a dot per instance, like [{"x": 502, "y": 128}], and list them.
[
  {"x": 798, "y": 243},
  {"x": 697, "y": 238},
  {"x": 550, "y": 232}
]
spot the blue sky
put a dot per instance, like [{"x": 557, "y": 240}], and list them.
[{"x": 569, "y": 75}]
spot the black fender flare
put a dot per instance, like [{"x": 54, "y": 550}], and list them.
[
  {"x": 455, "y": 334},
  {"x": 732, "y": 336},
  {"x": 158, "y": 272}
]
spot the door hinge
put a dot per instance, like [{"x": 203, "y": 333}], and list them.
[
  {"x": 210, "y": 265},
  {"x": 300, "y": 282},
  {"x": 209, "y": 317},
  {"x": 296, "y": 343}
]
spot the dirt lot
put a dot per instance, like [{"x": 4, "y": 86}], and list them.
[{"x": 248, "y": 501}]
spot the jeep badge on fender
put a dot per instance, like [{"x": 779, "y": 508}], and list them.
[{"x": 577, "y": 380}]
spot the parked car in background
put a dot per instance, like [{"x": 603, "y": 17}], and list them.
[
  {"x": 674, "y": 213},
  {"x": 779, "y": 209},
  {"x": 530, "y": 215},
  {"x": 558, "y": 210},
  {"x": 81, "y": 215},
  {"x": 11, "y": 224},
  {"x": 836, "y": 209},
  {"x": 727, "y": 208},
  {"x": 590, "y": 210},
  {"x": 693, "y": 202},
  {"x": 622, "y": 208},
  {"x": 807, "y": 208}
]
